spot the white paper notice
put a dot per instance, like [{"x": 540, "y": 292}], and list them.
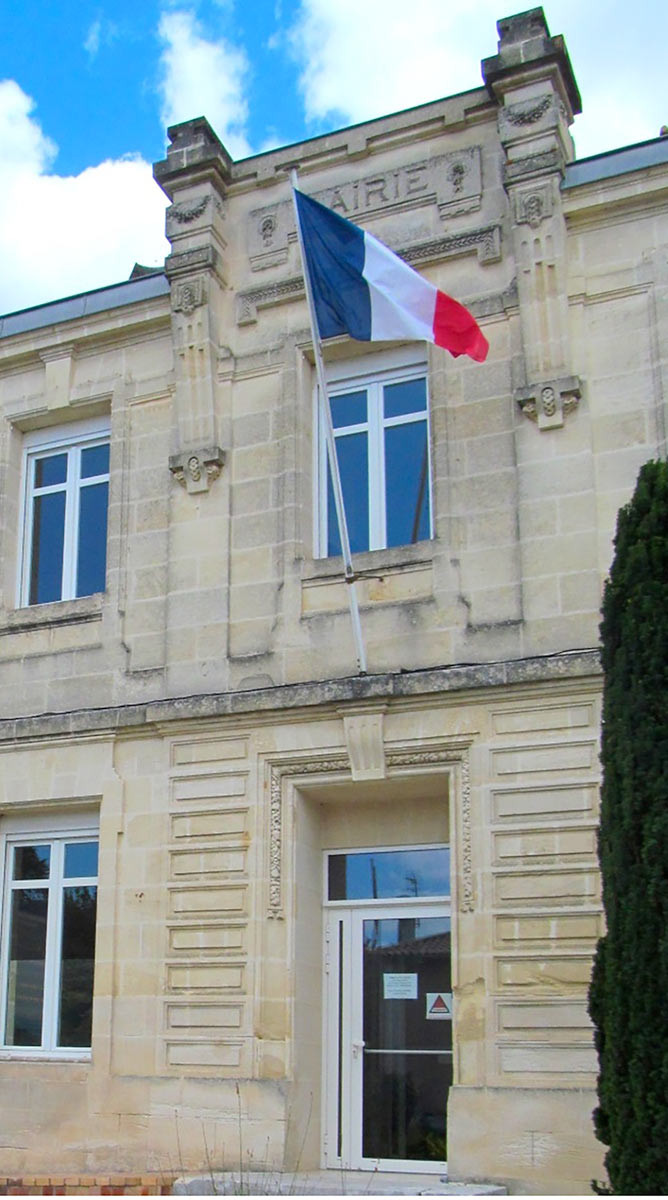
[{"x": 399, "y": 987}]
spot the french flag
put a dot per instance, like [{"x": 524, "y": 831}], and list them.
[{"x": 361, "y": 288}]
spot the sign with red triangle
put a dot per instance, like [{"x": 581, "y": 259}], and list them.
[{"x": 439, "y": 1006}]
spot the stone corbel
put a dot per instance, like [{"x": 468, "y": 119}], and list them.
[
  {"x": 196, "y": 470},
  {"x": 548, "y": 402},
  {"x": 365, "y": 745}
]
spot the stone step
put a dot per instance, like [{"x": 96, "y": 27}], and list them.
[{"x": 328, "y": 1183}]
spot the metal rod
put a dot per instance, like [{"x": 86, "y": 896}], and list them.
[{"x": 326, "y": 419}]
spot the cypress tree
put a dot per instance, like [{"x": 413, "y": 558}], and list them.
[{"x": 628, "y": 998}]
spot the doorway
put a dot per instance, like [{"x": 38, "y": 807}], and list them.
[{"x": 388, "y": 1002}]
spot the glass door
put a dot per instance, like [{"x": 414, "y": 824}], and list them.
[
  {"x": 405, "y": 1060},
  {"x": 388, "y": 1060}
]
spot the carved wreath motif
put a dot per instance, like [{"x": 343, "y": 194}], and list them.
[
  {"x": 528, "y": 116},
  {"x": 183, "y": 214}
]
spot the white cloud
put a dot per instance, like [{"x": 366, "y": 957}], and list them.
[
  {"x": 65, "y": 234},
  {"x": 92, "y": 42},
  {"x": 362, "y": 60},
  {"x": 359, "y": 60},
  {"x": 203, "y": 78},
  {"x": 101, "y": 33}
]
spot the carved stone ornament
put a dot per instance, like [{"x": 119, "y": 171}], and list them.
[
  {"x": 185, "y": 214},
  {"x": 441, "y": 756},
  {"x": 188, "y": 295},
  {"x": 452, "y": 181},
  {"x": 196, "y": 470},
  {"x": 533, "y": 205},
  {"x": 528, "y": 111},
  {"x": 547, "y": 403}
]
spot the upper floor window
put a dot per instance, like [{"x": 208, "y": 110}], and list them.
[
  {"x": 65, "y": 513},
  {"x": 381, "y": 429},
  {"x": 48, "y": 940}
]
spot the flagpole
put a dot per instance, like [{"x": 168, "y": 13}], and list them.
[{"x": 326, "y": 418}]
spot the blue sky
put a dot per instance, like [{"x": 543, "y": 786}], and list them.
[{"x": 87, "y": 90}]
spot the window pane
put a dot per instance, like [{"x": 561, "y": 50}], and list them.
[
  {"x": 31, "y": 862},
  {"x": 92, "y": 552},
  {"x": 407, "y": 397},
  {"x": 48, "y": 531},
  {"x": 349, "y": 409},
  {"x": 51, "y": 469},
  {"x": 406, "y": 483},
  {"x": 95, "y": 461},
  {"x": 353, "y": 459},
  {"x": 77, "y": 965},
  {"x": 25, "y": 980},
  {"x": 389, "y": 874},
  {"x": 80, "y": 860}
]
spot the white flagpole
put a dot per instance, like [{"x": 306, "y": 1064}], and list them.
[{"x": 326, "y": 418}]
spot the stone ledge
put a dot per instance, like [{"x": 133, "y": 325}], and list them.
[{"x": 572, "y": 664}]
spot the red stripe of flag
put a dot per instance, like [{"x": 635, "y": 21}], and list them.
[{"x": 456, "y": 330}]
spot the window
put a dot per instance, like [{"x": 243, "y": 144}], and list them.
[
  {"x": 381, "y": 429},
  {"x": 65, "y": 513},
  {"x": 48, "y": 941}
]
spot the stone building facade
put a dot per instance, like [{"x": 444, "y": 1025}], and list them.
[{"x": 316, "y": 887}]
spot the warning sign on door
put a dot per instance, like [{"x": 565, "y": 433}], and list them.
[{"x": 439, "y": 1006}]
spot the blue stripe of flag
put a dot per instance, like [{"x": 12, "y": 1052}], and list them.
[{"x": 334, "y": 250}]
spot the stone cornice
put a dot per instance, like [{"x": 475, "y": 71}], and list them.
[{"x": 290, "y": 698}]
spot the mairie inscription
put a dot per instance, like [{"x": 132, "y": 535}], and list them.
[{"x": 452, "y": 181}]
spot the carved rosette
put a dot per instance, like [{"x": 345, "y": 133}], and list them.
[
  {"x": 548, "y": 402},
  {"x": 438, "y": 757},
  {"x": 196, "y": 470}
]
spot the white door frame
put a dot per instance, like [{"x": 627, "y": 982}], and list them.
[{"x": 342, "y": 1041}]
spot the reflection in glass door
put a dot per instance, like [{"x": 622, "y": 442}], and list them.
[
  {"x": 388, "y": 1063},
  {"x": 406, "y": 1058}
]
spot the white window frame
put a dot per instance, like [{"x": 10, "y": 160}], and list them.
[
  {"x": 370, "y": 374},
  {"x": 55, "y": 831},
  {"x": 70, "y": 439}
]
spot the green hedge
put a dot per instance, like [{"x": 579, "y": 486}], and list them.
[{"x": 628, "y": 998}]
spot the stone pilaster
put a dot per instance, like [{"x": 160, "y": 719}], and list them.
[
  {"x": 195, "y": 176},
  {"x": 532, "y": 80}
]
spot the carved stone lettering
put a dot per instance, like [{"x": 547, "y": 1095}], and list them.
[{"x": 453, "y": 181}]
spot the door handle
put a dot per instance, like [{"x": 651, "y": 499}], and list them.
[{"x": 357, "y": 1049}]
